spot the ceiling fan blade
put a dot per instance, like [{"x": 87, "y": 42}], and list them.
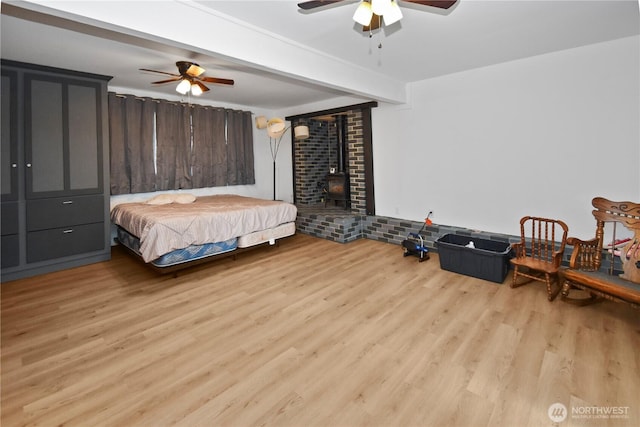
[
  {"x": 201, "y": 85},
  {"x": 159, "y": 72},
  {"x": 374, "y": 24},
  {"x": 312, "y": 4},
  {"x": 442, "y": 4},
  {"x": 175, "y": 79},
  {"x": 217, "y": 80}
]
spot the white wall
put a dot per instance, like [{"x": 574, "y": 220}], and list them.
[{"x": 540, "y": 136}]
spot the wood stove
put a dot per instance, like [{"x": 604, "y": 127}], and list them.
[{"x": 338, "y": 189}]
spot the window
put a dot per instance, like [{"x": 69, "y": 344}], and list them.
[{"x": 161, "y": 145}]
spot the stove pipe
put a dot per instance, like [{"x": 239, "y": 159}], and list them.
[{"x": 341, "y": 132}]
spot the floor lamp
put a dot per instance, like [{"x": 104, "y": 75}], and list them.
[{"x": 276, "y": 128}]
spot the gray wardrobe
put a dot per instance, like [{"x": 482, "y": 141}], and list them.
[{"x": 55, "y": 170}]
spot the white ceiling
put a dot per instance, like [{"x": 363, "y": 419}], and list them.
[{"x": 426, "y": 43}]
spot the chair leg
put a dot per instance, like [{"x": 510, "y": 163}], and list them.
[
  {"x": 566, "y": 287},
  {"x": 551, "y": 294},
  {"x": 516, "y": 273}
]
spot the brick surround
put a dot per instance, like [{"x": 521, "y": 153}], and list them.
[{"x": 318, "y": 153}]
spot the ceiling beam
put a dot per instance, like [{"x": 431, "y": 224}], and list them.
[{"x": 187, "y": 24}]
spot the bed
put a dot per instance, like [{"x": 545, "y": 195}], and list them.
[{"x": 172, "y": 231}]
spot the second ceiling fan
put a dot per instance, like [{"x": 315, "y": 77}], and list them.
[
  {"x": 190, "y": 77},
  {"x": 371, "y": 13}
]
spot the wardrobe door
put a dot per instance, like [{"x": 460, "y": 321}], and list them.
[
  {"x": 9, "y": 228},
  {"x": 9, "y": 138},
  {"x": 85, "y": 148},
  {"x": 63, "y": 137},
  {"x": 44, "y": 137}
]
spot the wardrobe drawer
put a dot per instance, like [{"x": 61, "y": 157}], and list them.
[
  {"x": 64, "y": 211},
  {"x": 60, "y": 242}
]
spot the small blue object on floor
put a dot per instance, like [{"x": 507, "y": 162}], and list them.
[{"x": 414, "y": 245}]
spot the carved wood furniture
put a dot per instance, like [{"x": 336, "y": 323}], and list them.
[
  {"x": 538, "y": 255},
  {"x": 585, "y": 270}
]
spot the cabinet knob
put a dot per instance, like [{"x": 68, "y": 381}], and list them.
[
  {"x": 67, "y": 202},
  {"x": 67, "y": 231},
  {"x": 28, "y": 165},
  {"x": 14, "y": 165}
]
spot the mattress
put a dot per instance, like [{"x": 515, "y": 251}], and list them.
[
  {"x": 270, "y": 235},
  {"x": 178, "y": 256},
  {"x": 166, "y": 227}
]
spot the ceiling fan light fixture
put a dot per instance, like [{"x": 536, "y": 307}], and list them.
[
  {"x": 183, "y": 87},
  {"x": 363, "y": 13},
  {"x": 195, "y": 70},
  {"x": 393, "y": 14},
  {"x": 189, "y": 79},
  {"x": 380, "y": 7},
  {"x": 196, "y": 90}
]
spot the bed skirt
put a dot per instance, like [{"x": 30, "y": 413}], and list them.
[
  {"x": 178, "y": 256},
  {"x": 270, "y": 235},
  {"x": 194, "y": 253}
]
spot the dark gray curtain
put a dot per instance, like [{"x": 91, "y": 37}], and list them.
[
  {"x": 240, "y": 169},
  {"x": 208, "y": 157},
  {"x": 195, "y": 146},
  {"x": 140, "y": 129},
  {"x": 131, "y": 130},
  {"x": 117, "y": 157},
  {"x": 173, "y": 139}
]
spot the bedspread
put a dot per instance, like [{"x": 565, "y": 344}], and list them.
[{"x": 164, "y": 228}]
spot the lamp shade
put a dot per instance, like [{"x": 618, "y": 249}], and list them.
[
  {"x": 183, "y": 87},
  {"x": 301, "y": 132},
  {"x": 195, "y": 90},
  {"x": 261, "y": 122},
  {"x": 380, "y": 7},
  {"x": 393, "y": 13},
  {"x": 363, "y": 14},
  {"x": 276, "y": 127},
  {"x": 195, "y": 70}
]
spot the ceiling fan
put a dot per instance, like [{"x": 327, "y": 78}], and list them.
[
  {"x": 370, "y": 13},
  {"x": 190, "y": 78}
]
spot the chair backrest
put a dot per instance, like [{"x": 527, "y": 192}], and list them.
[
  {"x": 544, "y": 239},
  {"x": 628, "y": 214}
]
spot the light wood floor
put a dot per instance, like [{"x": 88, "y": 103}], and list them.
[{"x": 310, "y": 333}]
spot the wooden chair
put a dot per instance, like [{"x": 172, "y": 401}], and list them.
[
  {"x": 538, "y": 255},
  {"x": 585, "y": 270}
]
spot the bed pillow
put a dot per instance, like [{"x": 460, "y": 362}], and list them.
[
  {"x": 184, "y": 198},
  {"x": 160, "y": 199}
]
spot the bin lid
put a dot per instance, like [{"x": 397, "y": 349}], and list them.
[{"x": 459, "y": 240}]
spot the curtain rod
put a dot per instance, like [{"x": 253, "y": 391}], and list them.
[{"x": 158, "y": 101}]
